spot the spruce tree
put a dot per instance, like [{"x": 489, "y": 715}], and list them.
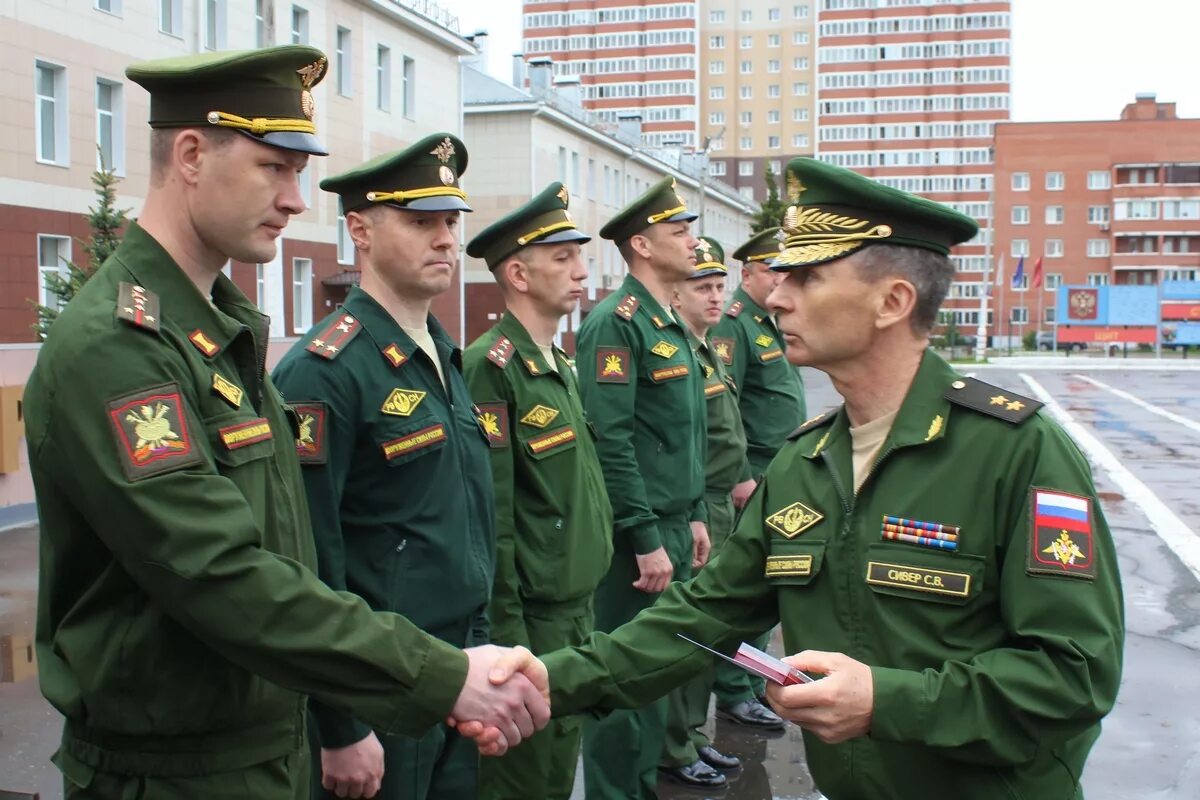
[{"x": 770, "y": 213}]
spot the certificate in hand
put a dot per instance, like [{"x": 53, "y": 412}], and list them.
[{"x": 755, "y": 661}]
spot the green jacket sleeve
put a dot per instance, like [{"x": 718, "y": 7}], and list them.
[
  {"x": 727, "y": 603},
  {"x": 306, "y": 379},
  {"x": 505, "y": 612},
  {"x": 192, "y": 543},
  {"x": 741, "y": 353},
  {"x": 610, "y": 406},
  {"x": 1001, "y": 706}
]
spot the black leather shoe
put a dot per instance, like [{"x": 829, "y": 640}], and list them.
[
  {"x": 718, "y": 760},
  {"x": 695, "y": 774},
  {"x": 752, "y": 714}
]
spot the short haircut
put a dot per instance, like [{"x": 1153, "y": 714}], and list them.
[
  {"x": 163, "y": 139},
  {"x": 930, "y": 274},
  {"x": 625, "y": 248}
]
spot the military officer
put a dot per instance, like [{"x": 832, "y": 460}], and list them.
[
  {"x": 553, "y": 518},
  {"x": 689, "y": 757},
  {"x": 643, "y": 390},
  {"x": 392, "y": 421},
  {"x": 934, "y": 547},
  {"x": 180, "y": 623}
]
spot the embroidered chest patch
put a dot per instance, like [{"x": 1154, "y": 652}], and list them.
[
  {"x": 402, "y": 402},
  {"x": 793, "y": 520},
  {"x": 540, "y": 416},
  {"x": 664, "y": 349},
  {"x": 227, "y": 390}
]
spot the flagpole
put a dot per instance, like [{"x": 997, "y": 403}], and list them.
[
  {"x": 981, "y": 328},
  {"x": 1000, "y": 289}
]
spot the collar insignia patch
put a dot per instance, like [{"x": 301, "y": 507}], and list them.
[{"x": 203, "y": 343}]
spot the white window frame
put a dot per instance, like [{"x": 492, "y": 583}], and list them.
[
  {"x": 45, "y": 298},
  {"x": 57, "y": 113},
  {"x": 1054, "y": 248},
  {"x": 302, "y": 294},
  {"x": 408, "y": 82},
  {"x": 114, "y": 7},
  {"x": 260, "y": 23},
  {"x": 1098, "y": 248},
  {"x": 1099, "y": 179},
  {"x": 345, "y": 245},
  {"x": 215, "y": 24},
  {"x": 1018, "y": 248},
  {"x": 260, "y": 286},
  {"x": 716, "y": 15},
  {"x": 745, "y": 168},
  {"x": 344, "y": 61},
  {"x": 1055, "y": 214},
  {"x": 170, "y": 18},
  {"x": 383, "y": 78},
  {"x": 300, "y": 25},
  {"x": 1020, "y": 181},
  {"x": 1055, "y": 181},
  {"x": 1020, "y": 315},
  {"x": 1020, "y": 215},
  {"x": 1053, "y": 281},
  {"x": 1097, "y": 279},
  {"x": 114, "y": 118}
]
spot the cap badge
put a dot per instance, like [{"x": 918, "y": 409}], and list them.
[
  {"x": 444, "y": 151},
  {"x": 794, "y": 187},
  {"x": 309, "y": 76},
  {"x": 446, "y": 174},
  {"x": 564, "y": 195}
]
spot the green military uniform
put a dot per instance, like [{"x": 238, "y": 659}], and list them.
[
  {"x": 725, "y": 467},
  {"x": 379, "y": 429},
  {"x": 771, "y": 391},
  {"x": 643, "y": 389},
  {"x": 179, "y": 621},
  {"x": 553, "y": 518},
  {"x": 992, "y": 662}
]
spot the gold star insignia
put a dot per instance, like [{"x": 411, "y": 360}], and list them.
[
  {"x": 999, "y": 400},
  {"x": 318, "y": 343},
  {"x": 1015, "y": 405}
]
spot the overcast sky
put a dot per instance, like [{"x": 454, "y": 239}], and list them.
[{"x": 1072, "y": 59}]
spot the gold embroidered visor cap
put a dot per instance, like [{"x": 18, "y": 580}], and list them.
[
  {"x": 710, "y": 259},
  {"x": 265, "y": 94},
  {"x": 834, "y": 212},
  {"x": 423, "y": 177},
  {"x": 762, "y": 246},
  {"x": 543, "y": 220},
  {"x": 660, "y": 203}
]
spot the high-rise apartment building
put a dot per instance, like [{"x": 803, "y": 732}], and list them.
[
  {"x": 630, "y": 59},
  {"x": 908, "y": 93},
  {"x": 757, "y": 98}
]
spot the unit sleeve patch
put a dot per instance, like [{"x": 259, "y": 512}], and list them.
[
  {"x": 1060, "y": 535},
  {"x": 152, "y": 432},
  {"x": 310, "y": 441},
  {"x": 612, "y": 365},
  {"x": 493, "y": 419},
  {"x": 724, "y": 349}
]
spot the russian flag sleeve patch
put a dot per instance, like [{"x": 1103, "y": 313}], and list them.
[{"x": 1060, "y": 535}]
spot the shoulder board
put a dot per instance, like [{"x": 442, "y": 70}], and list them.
[
  {"x": 500, "y": 352},
  {"x": 332, "y": 339},
  {"x": 734, "y": 309},
  {"x": 626, "y": 307},
  {"x": 992, "y": 400},
  {"x": 815, "y": 422},
  {"x": 137, "y": 306}
]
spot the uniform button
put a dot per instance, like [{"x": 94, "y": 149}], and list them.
[
  {"x": 558, "y": 525},
  {"x": 403, "y": 544},
  {"x": 958, "y": 385}
]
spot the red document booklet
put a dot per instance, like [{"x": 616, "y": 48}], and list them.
[{"x": 753, "y": 660}]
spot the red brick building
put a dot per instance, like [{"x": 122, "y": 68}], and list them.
[{"x": 1100, "y": 202}]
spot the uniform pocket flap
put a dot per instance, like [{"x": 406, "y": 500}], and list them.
[
  {"x": 911, "y": 571},
  {"x": 792, "y": 563}
]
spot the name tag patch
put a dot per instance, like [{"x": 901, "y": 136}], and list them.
[
  {"x": 245, "y": 433},
  {"x": 669, "y": 373},
  {"x": 414, "y": 441},
  {"x": 715, "y": 389},
  {"x": 551, "y": 440},
  {"x": 770, "y": 355},
  {"x": 919, "y": 579},
  {"x": 789, "y": 566}
]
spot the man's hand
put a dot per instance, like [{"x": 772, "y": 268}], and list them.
[
  {"x": 505, "y": 699},
  {"x": 837, "y": 707},
  {"x": 701, "y": 546},
  {"x": 741, "y": 493},
  {"x": 355, "y": 770},
  {"x": 656, "y": 571}
]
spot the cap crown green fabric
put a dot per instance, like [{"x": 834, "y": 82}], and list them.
[
  {"x": 423, "y": 177},
  {"x": 835, "y": 211},
  {"x": 262, "y": 93},
  {"x": 543, "y": 220},
  {"x": 762, "y": 246},
  {"x": 710, "y": 258},
  {"x": 660, "y": 203}
]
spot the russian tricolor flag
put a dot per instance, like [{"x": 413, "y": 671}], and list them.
[{"x": 1065, "y": 511}]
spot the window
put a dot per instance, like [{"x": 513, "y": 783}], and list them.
[
  {"x": 409, "y": 89},
  {"x": 746, "y": 15},
  {"x": 1020, "y": 215},
  {"x": 1099, "y": 179},
  {"x": 716, "y": 42},
  {"x": 345, "y": 246},
  {"x": 1020, "y": 284},
  {"x": 1097, "y": 248},
  {"x": 716, "y": 93},
  {"x": 1054, "y": 215},
  {"x": 800, "y": 140},
  {"x": 799, "y": 89},
  {"x": 747, "y": 67},
  {"x": 1048, "y": 315},
  {"x": 775, "y": 165},
  {"x": 747, "y": 192},
  {"x": 746, "y": 42},
  {"x": 1098, "y": 215},
  {"x": 214, "y": 24},
  {"x": 111, "y": 6},
  {"x": 716, "y": 15},
  {"x": 799, "y": 115},
  {"x": 773, "y": 40},
  {"x": 800, "y": 62},
  {"x": 1054, "y": 181},
  {"x": 1020, "y": 181},
  {"x": 799, "y": 37},
  {"x": 772, "y": 14},
  {"x": 745, "y": 143},
  {"x": 746, "y": 117},
  {"x": 562, "y": 166},
  {"x": 1020, "y": 315},
  {"x": 716, "y": 118},
  {"x": 304, "y": 180},
  {"x": 1097, "y": 279},
  {"x": 1019, "y": 247},
  {"x": 260, "y": 23},
  {"x": 110, "y": 127},
  {"x": 383, "y": 78},
  {"x": 591, "y": 179},
  {"x": 1054, "y": 248},
  {"x": 1053, "y": 281},
  {"x": 260, "y": 286},
  {"x": 745, "y": 168},
  {"x": 343, "y": 59},
  {"x": 773, "y": 90},
  {"x": 746, "y": 92},
  {"x": 53, "y": 254},
  {"x": 800, "y": 12},
  {"x": 716, "y": 68},
  {"x": 773, "y": 142},
  {"x": 51, "y": 120},
  {"x": 170, "y": 17},
  {"x": 302, "y": 295},
  {"x": 299, "y": 25},
  {"x": 716, "y": 168},
  {"x": 773, "y": 65},
  {"x": 773, "y": 117}
]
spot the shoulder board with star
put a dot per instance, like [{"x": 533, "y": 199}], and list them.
[
  {"x": 626, "y": 307},
  {"x": 734, "y": 309},
  {"x": 992, "y": 400},
  {"x": 137, "y": 306},
  {"x": 331, "y": 340},
  {"x": 500, "y": 353},
  {"x": 815, "y": 422}
]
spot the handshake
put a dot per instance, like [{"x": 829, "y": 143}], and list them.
[{"x": 506, "y": 698}]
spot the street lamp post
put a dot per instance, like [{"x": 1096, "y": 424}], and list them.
[{"x": 704, "y": 172}]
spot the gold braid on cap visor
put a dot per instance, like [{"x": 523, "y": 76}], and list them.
[
  {"x": 403, "y": 196},
  {"x": 542, "y": 231},
  {"x": 260, "y": 125},
  {"x": 660, "y": 216},
  {"x": 763, "y": 256},
  {"x": 712, "y": 265},
  {"x": 812, "y": 236}
]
